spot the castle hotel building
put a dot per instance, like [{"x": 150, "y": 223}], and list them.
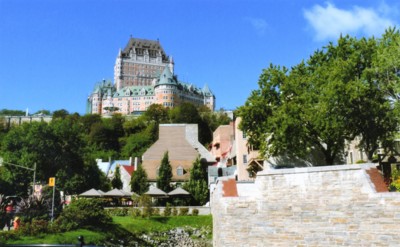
[{"x": 144, "y": 75}]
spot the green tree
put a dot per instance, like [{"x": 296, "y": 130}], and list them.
[
  {"x": 198, "y": 184},
  {"x": 319, "y": 104},
  {"x": 60, "y": 114},
  {"x": 116, "y": 182},
  {"x": 139, "y": 182},
  {"x": 156, "y": 113},
  {"x": 164, "y": 174}
]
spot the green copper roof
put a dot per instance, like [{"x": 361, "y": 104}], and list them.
[
  {"x": 166, "y": 77},
  {"x": 135, "y": 91}
]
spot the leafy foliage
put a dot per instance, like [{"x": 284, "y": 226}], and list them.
[
  {"x": 197, "y": 185},
  {"x": 34, "y": 208},
  {"x": 139, "y": 182},
  {"x": 164, "y": 174},
  {"x": 84, "y": 213},
  {"x": 116, "y": 182},
  {"x": 321, "y": 103}
]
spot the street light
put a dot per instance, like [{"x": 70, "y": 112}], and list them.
[{"x": 27, "y": 168}]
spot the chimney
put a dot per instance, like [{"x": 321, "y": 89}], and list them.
[
  {"x": 136, "y": 163},
  {"x": 130, "y": 161}
]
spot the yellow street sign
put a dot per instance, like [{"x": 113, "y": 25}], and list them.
[{"x": 52, "y": 181}]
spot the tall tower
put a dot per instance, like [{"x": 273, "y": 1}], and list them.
[{"x": 139, "y": 63}]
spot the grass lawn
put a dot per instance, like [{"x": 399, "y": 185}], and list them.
[
  {"x": 135, "y": 225},
  {"x": 61, "y": 238},
  {"x": 160, "y": 224}
]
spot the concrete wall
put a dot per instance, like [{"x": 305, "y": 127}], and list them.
[{"x": 317, "y": 206}]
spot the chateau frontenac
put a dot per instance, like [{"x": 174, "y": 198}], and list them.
[{"x": 144, "y": 75}]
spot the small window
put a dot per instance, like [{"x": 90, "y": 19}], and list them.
[
  {"x": 244, "y": 135},
  {"x": 244, "y": 158},
  {"x": 179, "y": 171}
]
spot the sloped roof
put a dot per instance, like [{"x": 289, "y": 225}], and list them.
[
  {"x": 136, "y": 43},
  {"x": 156, "y": 192},
  {"x": 129, "y": 169},
  {"x": 181, "y": 142},
  {"x": 92, "y": 193},
  {"x": 166, "y": 77},
  {"x": 179, "y": 192},
  {"x": 117, "y": 193}
]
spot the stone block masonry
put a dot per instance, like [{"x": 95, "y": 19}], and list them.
[{"x": 316, "y": 206}]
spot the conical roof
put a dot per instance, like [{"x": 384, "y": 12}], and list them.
[{"x": 166, "y": 77}]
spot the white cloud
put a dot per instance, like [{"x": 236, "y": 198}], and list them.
[
  {"x": 260, "y": 25},
  {"x": 329, "y": 22}
]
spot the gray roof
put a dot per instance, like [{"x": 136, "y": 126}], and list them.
[
  {"x": 92, "y": 193},
  {"x": 117, "y": 193},
  {"x": 179, "y": 192},
  {"x": 156, "y": 192},
  {"x": 136, "y": 43}
]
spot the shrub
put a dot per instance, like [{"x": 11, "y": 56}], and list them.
[
  {"x": 33, "y": 208},
  {"x": 395, "y": 184},
  {"x": 174, "y": 212},
  {"x": 145, "y": 202},
  {"x": 360, "y": 162},
  {"x": 34, "y": 228},
  {"x": 117, "y": 211},
  {"x": 183, "y": 211},
  {"x": 84, "y": 213},
  {"x": 167, "y": 210},
  {"x": 135, "y": 212},
  {"x": 195, "y": 212},
  {"x": 156, "y": 212}
]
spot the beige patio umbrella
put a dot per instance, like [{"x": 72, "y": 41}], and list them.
[
  {"x": 156, "y": 192},
  {"x": 92, "y": 193},
  {"x": 179, "y": 192}
]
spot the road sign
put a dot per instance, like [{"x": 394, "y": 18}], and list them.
[{"x": 52, "y": 181}]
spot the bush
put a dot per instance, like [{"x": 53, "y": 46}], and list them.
[
  {"x": 395, "y": 184},
  {"x": 135, "y": 212},
  {"x": 183, "y": 211},
  {"x": 195, "y": 212},
  {"x": 34, "y": 228},
  {"x": 33, "y": 208},
  {"x": 117, "y": 211},
  {"x": 360, "y": 162},
  {"x": 167, "y": 210},
  {"x": 145, "y": 202},
  {"x": 174, "y": 212},
  {"x": 156, "y": 212},
  {"x": 84, "y": 213}
]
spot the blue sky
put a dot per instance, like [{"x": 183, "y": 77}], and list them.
[{"x": 53, "y": 52}]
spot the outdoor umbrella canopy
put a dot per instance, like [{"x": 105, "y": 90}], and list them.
[
  {"x": 92, "y": 193},
  {"x": 179, "y": 192},
  {"x": 156, "y": 192},
  {"x": 118, "y": 193},
  {"x": 129, "y": 193}
]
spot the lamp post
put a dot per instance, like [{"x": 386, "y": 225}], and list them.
[{"x": 24, "y": 167}]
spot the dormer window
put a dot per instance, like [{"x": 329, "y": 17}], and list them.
[{"x": 179, "y": 171}]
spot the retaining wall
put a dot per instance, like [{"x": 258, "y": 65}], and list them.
[{"x": 317, "y": 206}]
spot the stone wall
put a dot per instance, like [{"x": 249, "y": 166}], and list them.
[{"x": 317, "y": 206}]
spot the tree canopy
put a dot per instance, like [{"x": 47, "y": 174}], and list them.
[
  {"x": 322, "y": 103},
  {"x": 164, "y": 177}
]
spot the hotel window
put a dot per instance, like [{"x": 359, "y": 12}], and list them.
[{"x": 244, "y": 158}]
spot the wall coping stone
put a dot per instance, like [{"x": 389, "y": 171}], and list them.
[{"x": 270, "y": 172}]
